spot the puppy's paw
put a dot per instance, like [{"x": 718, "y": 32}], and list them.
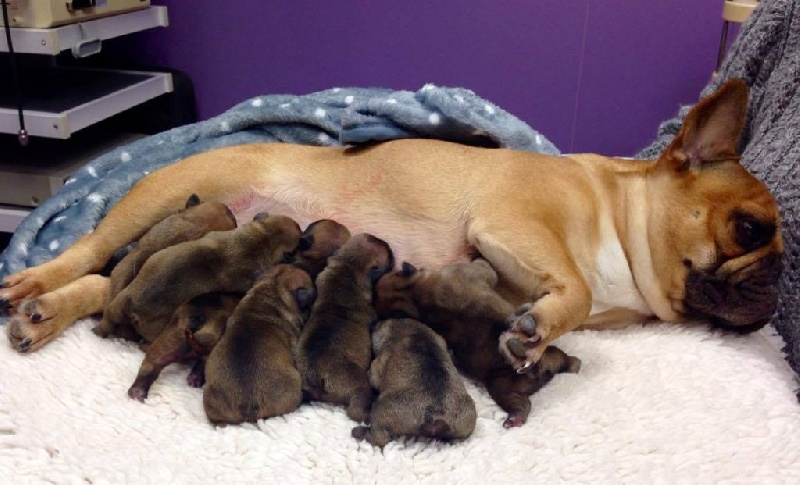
[
  {"x": 138, "y": 393},
  {"x": 103, "y": 329},
  {"x": 196, "y": 379},
  {"x": 360, "y": 432},
  {"x": 515, "y": 420},
  {"x": 358, "y": 412},
  {"x": 521, "y": 344}
]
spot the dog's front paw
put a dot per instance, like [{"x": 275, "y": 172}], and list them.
[
  {"x": 17, "y": 288},
  {"x": 35, "y": 323},
  {"x": 521, "y": 344}
]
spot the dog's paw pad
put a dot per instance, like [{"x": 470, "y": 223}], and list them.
[
  {"x": 36, "y": 310},
  {"x": 518, "y": 313}
]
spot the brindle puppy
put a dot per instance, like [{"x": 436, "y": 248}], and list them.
[
  {"x": 251, "y": 372},
  {"x": 334, "y": 352},
  {"x": 323, "y": 238},
  {"x": 420, "y": 391},
  {"x": 226, "y": 261},
  {"x": 196, "y": 328},
  {"x": 460, "y": 303},
  {"x": 193, "y": 222}
]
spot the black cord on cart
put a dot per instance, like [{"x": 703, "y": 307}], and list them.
[{"x": 22, "y": 135}]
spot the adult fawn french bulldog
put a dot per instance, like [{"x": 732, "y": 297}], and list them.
[{"x": 578, "y": 240}]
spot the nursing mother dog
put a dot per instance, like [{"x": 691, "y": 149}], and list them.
[{"x": 576, "y": 241}]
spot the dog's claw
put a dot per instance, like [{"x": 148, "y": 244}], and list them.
[
  {"x": 25, "y": 345},
  {"x": 525, "y": 367}
]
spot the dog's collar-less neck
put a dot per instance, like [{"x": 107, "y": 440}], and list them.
[{"x": 636, "y": 238}]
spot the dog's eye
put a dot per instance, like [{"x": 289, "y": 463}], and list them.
[{"x": 751, "y": 233}]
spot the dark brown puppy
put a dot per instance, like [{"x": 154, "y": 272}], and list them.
[
  {"x": 193, "y": 222},
  {"x": 251, "y": 372},
  {"x": 196, "y": 327},
  {"x": 334, "y": 351},
  {"x": 322, "y": 238},
  {"x": 460, "y": 303},
  {"x": 420, "y": 391},
  {"x": 225, "y": 261}
]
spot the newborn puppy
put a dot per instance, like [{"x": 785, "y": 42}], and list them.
[
  {"x": 225, "y": 261},
  {"x": 193, "y": 222},
  {"x": 323, "y": 238},
  {"x": 251, "y": 372},
  {"x": 420, "y": 391},
  {"x": 460, "y": 303},
  {"x": 334, "y": 351},
  {"x": 195, "y": 328}
]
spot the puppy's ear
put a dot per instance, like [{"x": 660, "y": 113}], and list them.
[
  {"x": 305, "y": 242},
  {"x": 305, "y": 297},
  {"x": 260, "y": 216},
  {"x": 193, "y": 200},
  {"x": 408, "y": 269},
  {"x": 711, "y": 130}
]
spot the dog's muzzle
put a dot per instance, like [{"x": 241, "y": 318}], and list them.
[{"x": 743, "y": 301}]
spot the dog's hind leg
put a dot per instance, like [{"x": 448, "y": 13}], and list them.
[
  {"x": 214, "y": 175},
  {"x": 41, "y": 319}
]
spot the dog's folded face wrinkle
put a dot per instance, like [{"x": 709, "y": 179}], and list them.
[{"x": 742, "y": 301}]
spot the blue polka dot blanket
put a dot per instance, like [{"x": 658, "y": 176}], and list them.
[{"x": 340, "y": 116}]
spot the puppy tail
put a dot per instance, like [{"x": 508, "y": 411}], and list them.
[
  {"x": 249, "y": 410},
  {"x": 438, "y": 428}
]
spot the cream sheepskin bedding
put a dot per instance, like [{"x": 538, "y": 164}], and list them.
[{"x": 655, "y": 404}]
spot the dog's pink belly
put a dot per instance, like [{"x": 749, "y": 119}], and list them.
[{"x": 419, "y": 240}]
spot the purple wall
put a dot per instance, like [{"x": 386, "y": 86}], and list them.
[{"x": 592, "y": 75}]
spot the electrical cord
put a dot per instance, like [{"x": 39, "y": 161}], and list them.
[{"x": 22, "y": 135}]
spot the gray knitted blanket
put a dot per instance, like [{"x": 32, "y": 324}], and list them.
[{"x": 767, "y": 55}]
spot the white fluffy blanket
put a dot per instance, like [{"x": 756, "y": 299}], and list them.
[{"x": 661, "y": 404}]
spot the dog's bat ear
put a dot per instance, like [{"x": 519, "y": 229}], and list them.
[
  {"x": 305, "y": 297},
  {"x": 193, "y": 200},
  {"x": 305, "y": 242},
  {"x": 408, "y": 269},
  {"x": 260, "y": 216},
  {"x": 711, "y": 130}
]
